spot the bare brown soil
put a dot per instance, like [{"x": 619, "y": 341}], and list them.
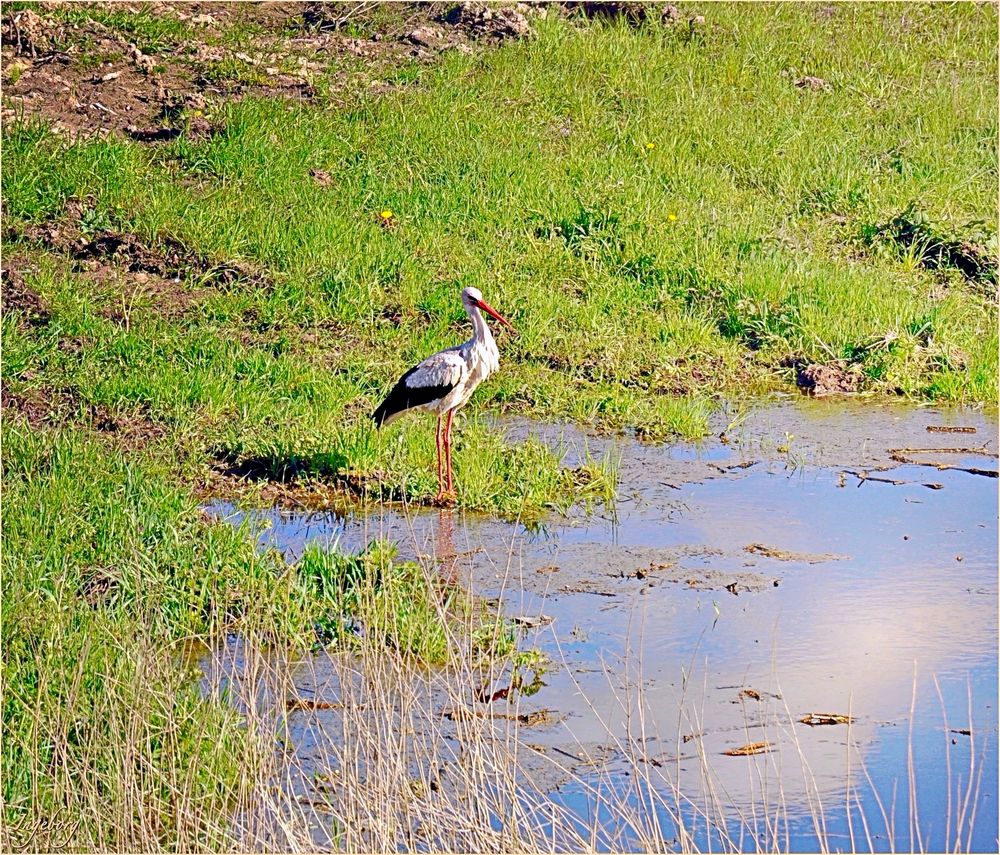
[
  {"x": 50, "y": 407},
  {"x": 159, "y": 272},
  {"x": 86, "y": 77},
  {"x": 16, "y": 296},
  {"x": 89, "y": 78},
  {"x": 48, "y": 75}
]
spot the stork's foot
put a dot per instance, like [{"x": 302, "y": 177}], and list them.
[{"x": 444, "y": 499}]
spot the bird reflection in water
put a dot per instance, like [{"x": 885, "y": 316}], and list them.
[{"x": 444, "y": 548}]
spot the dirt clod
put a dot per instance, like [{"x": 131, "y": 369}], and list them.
[
  {"x": 323, "y": 178},
  {"x": 426, "y": 37},
  {"x": 30, "y": 33},
  {"x": 816, "y": 84},
  {"x": 481, "y": 21},
  {"x": 145, "y": 64},
  {"x": 834, "y": 378}
]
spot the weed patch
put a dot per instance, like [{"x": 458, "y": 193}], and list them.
[{"x": 913, "y": 236}]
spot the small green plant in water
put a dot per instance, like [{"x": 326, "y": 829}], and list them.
[{"x": 525, "y": 661}]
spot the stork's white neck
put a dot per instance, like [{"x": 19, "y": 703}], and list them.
[
  {"x": 480, "y": 352},
  {"x": 481, "y": 330}
]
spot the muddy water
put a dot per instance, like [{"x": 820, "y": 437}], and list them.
[{"x": 738, "y": 586}]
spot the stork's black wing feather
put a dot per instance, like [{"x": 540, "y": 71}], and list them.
[{"x": 404, "y": 397}]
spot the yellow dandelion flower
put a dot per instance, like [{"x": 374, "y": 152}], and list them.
[
  {"x": 671, "y": 217},
  {"x": 386, "y": 214},
  {"x": 650, "y": 146}
]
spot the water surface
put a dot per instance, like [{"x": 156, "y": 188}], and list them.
[{"x": 673, "y": 633}]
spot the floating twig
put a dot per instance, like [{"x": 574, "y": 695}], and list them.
[
  {"x": 972, "y": 470},
  {"x": 816, "y": 719},
  {"x": 863, "y": 476},
  {"x": 750, "y": 749},
  {"x": 311, "y": 705},
  {"x": 569, "y": 589},
  {"x": 976, "y": 451}
]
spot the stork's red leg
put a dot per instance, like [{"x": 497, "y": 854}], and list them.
[
  {"x": 437, "y": 436},
  {"x": 447, "y": 447}
]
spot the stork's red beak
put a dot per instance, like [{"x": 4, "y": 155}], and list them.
[{"x": 486, "y": 307}]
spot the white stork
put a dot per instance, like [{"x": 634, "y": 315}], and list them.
[{"x": 445, "y": 381}]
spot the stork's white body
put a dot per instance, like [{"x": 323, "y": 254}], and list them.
[
  {"x": 446, "y": 380},
  {"x": 462, "y": 367}
]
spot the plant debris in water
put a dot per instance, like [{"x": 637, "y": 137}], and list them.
[
  {"x": 785, "y": 555},
  {"x": 310, "y": 705},
  {"x": 816, "y": 719},
  {"x": 750, "y": 749},
  {"x": 949, "y": 429},
  {"x": 529, "y": 719}
]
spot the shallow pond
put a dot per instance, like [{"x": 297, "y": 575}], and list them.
[{"x": 739, "y": 586}]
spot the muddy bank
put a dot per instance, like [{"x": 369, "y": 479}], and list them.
[{"x": 866, "y": 440}]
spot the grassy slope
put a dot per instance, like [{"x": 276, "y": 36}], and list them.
[
  {"x": 769, "y": 184},
  {"x": 628, "y": 269}
]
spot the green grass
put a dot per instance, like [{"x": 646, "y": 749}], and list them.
[
  {"x": 108, "y": 570},
  {"x": 665, "y": 217},
  {"x": 105, "y": 565}
]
